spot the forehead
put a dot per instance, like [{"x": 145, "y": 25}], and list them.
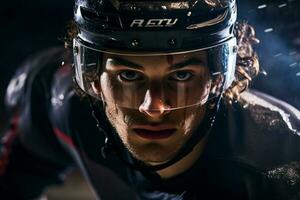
[{"x": 161, "y": 59}]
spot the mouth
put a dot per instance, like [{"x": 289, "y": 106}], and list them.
[{"x": 154, "y": 133}]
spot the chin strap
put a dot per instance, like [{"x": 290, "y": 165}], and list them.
[{"x": 113, "y": 145}]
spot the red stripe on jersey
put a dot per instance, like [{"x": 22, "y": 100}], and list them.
[
  {"x": 7, "y": 141},
  {"x": 64, "y": 137}
]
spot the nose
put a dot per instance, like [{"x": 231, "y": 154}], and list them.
[{"x": 153, "y": 105}]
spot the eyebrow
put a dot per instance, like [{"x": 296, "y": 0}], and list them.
[
  {"x": 121, "y": 61},
  {"x": 190, "y": 61},
  {"x": 127, "y": 63}
]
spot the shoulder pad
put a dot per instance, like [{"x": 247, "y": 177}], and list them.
[
  {"x": 271, "y": 113},
  {"x": 19, "y": 86},
  {"x": 264, "y": 131},
  {"x": 28, "y": 97}
]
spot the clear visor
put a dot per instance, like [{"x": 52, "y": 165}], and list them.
[{"x": 155, "y": 81}]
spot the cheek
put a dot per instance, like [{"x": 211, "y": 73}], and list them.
[
  {"x": 121, "y": 119},
  {"x": 109, "y": 86},
  {"x": 191, "y": 118},
  {"x": 106, "y": 86},
  {"x": 116, "y": 117},
  {"x": 121, "y": 94},
  {"x": 206, "y": 91},
  {"x": 205, "y": 84}
]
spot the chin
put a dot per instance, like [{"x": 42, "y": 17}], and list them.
[{"x": 153, "y": 153}]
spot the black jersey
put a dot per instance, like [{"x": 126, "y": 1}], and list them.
[{"x": 253, "y": 150}]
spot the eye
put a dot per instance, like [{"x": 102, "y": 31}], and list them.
[
  {"x": 181, "y": 76},
  {"x": 130, "y": 75}
]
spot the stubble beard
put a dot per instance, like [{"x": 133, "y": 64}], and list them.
[{"x": 148, "y": 152}]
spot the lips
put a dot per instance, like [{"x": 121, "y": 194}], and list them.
[{"x": 154, "y": 134}]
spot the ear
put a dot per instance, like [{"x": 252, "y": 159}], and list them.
[{"x": 96, "y": 86}]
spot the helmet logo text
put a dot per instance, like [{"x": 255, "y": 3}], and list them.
[{"x": 153, "y": 23}]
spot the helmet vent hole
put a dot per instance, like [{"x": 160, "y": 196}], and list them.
[
  {"x": 92, "y": 16},
  {"x": 106, "y": 20}
]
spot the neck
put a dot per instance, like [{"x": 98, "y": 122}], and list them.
[{"x": 185, "y": 163}]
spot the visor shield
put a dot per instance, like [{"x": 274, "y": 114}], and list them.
[{"x": 127, "y": 81}]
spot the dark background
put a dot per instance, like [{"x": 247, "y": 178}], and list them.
[{"x": 29, "y": 26}]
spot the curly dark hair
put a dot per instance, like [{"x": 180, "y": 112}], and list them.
[{"x": 247, "y": 65}]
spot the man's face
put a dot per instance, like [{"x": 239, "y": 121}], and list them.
[{"x": 154, "y": 102}]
